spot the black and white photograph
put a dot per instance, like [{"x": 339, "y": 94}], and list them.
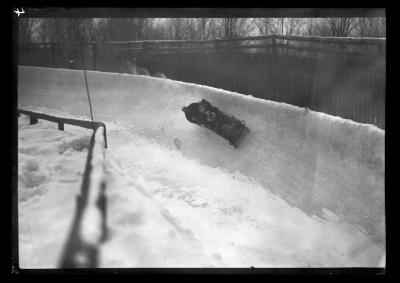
[{"x": 200, "y": 138}]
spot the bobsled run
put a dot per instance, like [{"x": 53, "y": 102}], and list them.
[{"x": 295, "y": 188}]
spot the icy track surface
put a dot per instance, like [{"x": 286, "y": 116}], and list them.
[{"x": 304, "y": 190}]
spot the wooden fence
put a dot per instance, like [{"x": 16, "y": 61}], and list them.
[{"x": 345, "y": 77}]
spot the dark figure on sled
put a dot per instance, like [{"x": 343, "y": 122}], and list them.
[{"x": 205, "y": 115}]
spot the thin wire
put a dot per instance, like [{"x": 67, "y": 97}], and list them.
[{"x": 87, "y": 87}]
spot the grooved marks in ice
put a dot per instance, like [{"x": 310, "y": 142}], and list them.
[
  {"x": 143, "y": 232},
  {"x": 213, "y": 202}
]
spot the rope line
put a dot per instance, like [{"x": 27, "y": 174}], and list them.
[{"x": 87, "y": 87}]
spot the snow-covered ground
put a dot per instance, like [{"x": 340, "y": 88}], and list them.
[
  {"x": 304, "y": 190},
  {"x": 50, "y": 167}
]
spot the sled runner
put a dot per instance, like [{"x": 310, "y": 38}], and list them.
[{"x": 205, "y": 115}]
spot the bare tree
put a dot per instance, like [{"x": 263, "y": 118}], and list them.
[
  {"x": 236, "y": 27},
  {"x": 282, "y": 26},
  {"x": 310, "y": 27},
  {"x": 294, "y": 26},
  {"x": 189, "y": 28},
  {"x": 371, "y": 27},
  {"x": 114, "y": 29},
  {"x": 175, "y": 28},
  {"x": 144, "y": 25},
  {"x": 65, "y": 30},
  {"x": 158, "y": 30},
  {"x": 215, "y": 30},
  {"x": 265, "y": 26},
  {"x": 340, "y": 27},
  {"x": 25, "y": 29},
  {"x": 203, "y": 28},
  {"x": 117, "y": 29}
]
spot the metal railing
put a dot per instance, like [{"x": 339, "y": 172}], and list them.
[
  {"x": 34, "y": 116},
  {"x": 89, "y": 226},
  {"x": 81, "y": 249}
]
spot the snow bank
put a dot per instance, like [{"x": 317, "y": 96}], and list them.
[
  {"x": 143, "y": 233},
  {"x": 236, "y": 220},
  {"x": 48, "y": 181},
  {"x": 313, "y": 161}
]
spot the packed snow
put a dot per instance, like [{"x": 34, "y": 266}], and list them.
[
  {"x": 50, "y": 167},
  {"x": 305, "y": 189}
]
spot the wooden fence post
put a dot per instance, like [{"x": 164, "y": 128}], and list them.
[
  {"x": 216, "y": 43},
  {"x": 53, "y": 55},
  {"x": 274, "y": 68},
  {"x": 94, "y": 56},
  {"x": 32, "y": 120},
  {"x": 214, "y": 79},
  {"x": 273, "y": 44},
  {"x": 382, "y": 49},
  {"x": 144, "y": 47}
]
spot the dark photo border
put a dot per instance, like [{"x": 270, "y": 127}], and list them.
[{"x": 152, "y": 10}]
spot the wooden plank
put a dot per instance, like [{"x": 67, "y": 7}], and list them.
[
  {"x": 34, "y": 116},
  {"x": 319, "y": 39},
  {"x": 352, "y": 40},
  {"x": 330, "y": 39},
  {"x": 352, "y": 91},
  {"x": 325, "y": 50},
  {"x": 32, "y": 120}
]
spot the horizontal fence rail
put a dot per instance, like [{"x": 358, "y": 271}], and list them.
[
  {"x": 325, "y": 39},
  {"x": 341, "y": 76},
  {"x": 34, "y": 116},
  {"x": 147, "y": 45}
]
